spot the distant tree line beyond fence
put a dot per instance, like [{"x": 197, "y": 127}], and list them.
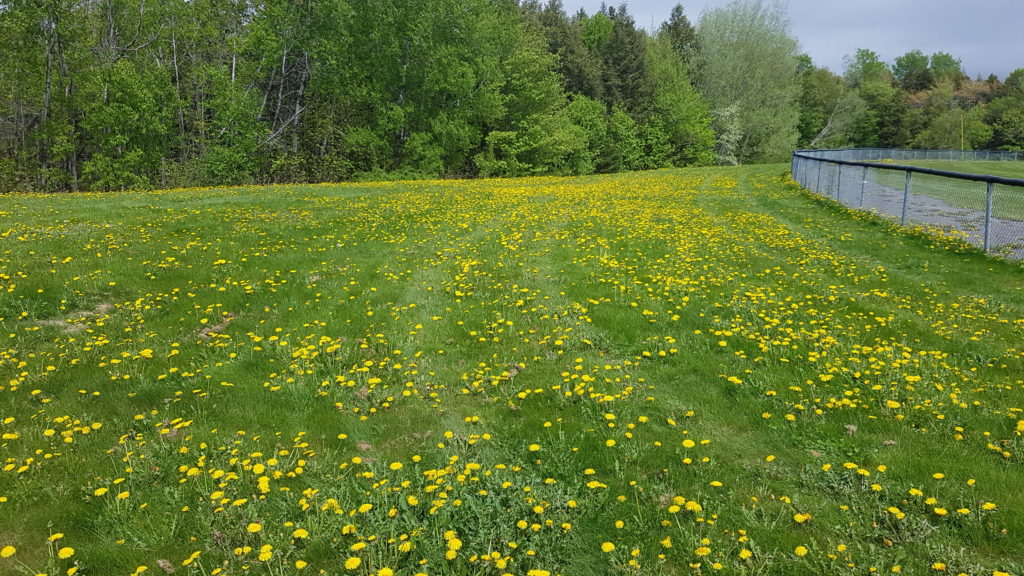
[{"x": 113, "y": 94}]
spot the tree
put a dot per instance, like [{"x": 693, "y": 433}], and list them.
[
  {"x": 912, "y": 72},
  {"x": 864, "y": 67},
  {"x": 945, "y": 67},
  {"x": 680, "y": 34},
  {"x": 126, "y": 118},
  {"x": 623, "y": 55},
  {"x": 747, "y": 60},
  {"x": 828, "y": 107},
  {"x": 535, "y": 134},
  {"x": 579, "y": 67},
  {"x": 1006, "y": 113},
  {"x": 680, "y": 112}
]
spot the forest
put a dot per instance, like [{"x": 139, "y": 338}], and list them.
[{"x": 136, "y": 94}]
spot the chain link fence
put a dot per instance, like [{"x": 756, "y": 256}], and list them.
[{"x": 986, "y": 211}]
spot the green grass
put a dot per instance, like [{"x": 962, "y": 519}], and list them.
[
  {"x": 1007, "y": 201},
  {"x": 988, "y": 168},
  {"x": 489, "y": 377}
]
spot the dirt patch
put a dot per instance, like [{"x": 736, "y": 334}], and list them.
[
  {"x": 76, "y": 321},
  {"x": 217, "y": 328}
]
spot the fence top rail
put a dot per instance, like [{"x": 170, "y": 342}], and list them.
[
  {"x": 916, "y": 169},
  {"x": 914, "y": 150}
]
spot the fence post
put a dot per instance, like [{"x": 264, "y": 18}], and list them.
[
  {"x": 988, "y": 215},
  {"x": 817, "y": 183},
  {"x": 906, "y": 199},
  {"x": 839, "y": 184},
  {"x": 863, "y": 182}
]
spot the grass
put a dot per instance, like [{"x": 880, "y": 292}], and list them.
[
  {"x": 1007, "y": 201},
  {"x": 671, "y": 372},
  {"x": 988, "y": 168}
]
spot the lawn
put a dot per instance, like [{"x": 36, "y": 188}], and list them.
[
  {"x": 671, "y": 372},
  {"x": 1007, "y": 200},
  {"x": 988, "y": 168}
]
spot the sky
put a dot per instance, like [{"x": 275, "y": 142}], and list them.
[{"x": 986, "y": 35}]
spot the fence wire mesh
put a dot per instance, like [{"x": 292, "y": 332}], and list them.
[{"x": 986, "y": 211}]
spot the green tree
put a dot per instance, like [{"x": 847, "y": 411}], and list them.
[
  {"x": 1006, "y": 113},
  {"x": 864, "y": 67},
  {"x": 828, "y": 106},
  {"x": 912, "y": 72},
  {"x": 945, "y": 67},
  {"x": 679, "y": 112},
  {"x": 535, "y": 134},
  {"x": 126, "y": 121},
  {"x": 231, "y": 154},
  {"x": 577, "y": 64},
  {"x": 747, "y": 60},
  {"x": 680, "y": 34}
]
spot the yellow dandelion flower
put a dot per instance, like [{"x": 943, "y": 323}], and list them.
[
  {"x": 254, "y": 527},
  {"x": 800, "y": 551},
  {"x": 266, "y": 552},
  {"x": 607, "y": 547},
  {"x": 7, "y": 551},
  {"x": 352, "y": 563},
  {"x": 65, "y": 553}
]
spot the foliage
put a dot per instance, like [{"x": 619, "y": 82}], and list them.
[
  {"x": 116, "y": 94},
  {"x": 748, "y": 60}
]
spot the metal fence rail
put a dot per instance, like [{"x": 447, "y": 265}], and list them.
[{"x": 987, "y": 211}]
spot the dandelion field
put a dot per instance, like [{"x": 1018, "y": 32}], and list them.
[{"x": 675, "y": 372}]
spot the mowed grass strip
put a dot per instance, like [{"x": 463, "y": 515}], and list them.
[{"x": 672, "y": 372}]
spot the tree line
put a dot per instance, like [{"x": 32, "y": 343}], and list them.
[{"x": 115, "y": 94}]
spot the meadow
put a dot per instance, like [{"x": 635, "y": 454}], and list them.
[{"x": 693, "y": 371}]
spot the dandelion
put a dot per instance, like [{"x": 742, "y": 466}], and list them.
[
  {"x": 607, "y": 547},
  {"x": 65, "y": 552},
  {"x": 352, "y": 563},
  {"x": 7, "y": 551},
  {"x": 254, "y": 527},
  {"x": 266, "y": 552},
  {"x": 800, "y": 551}
]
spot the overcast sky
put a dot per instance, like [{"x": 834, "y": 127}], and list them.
[{"x": 986, "y": 35}]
